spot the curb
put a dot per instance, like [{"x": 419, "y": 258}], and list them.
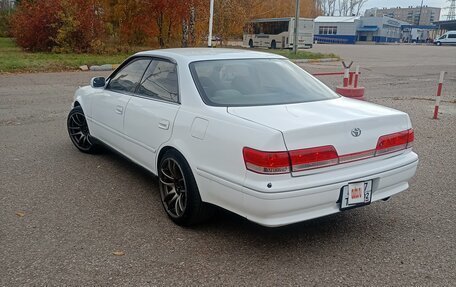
[
  {"x": 324, "y": 60},
  {"x": 106, "y": 67}
]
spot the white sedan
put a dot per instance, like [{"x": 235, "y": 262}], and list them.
[{"x": 250, "y": 132}]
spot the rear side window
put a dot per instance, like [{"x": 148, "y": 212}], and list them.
[
  {"x": 160, "y": 81},
  {"x": 127, "y": 79},
  {"x": 451, "y": 35},
  {"x": 256, "y": 82}
]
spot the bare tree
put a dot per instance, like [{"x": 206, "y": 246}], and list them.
[
  {"x": 327, "y": 7},
  {"x": 340, "y": 7},
  {"x": 360, "y": 5}
]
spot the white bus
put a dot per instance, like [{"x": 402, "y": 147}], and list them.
[{"x": 278, "y": 33}]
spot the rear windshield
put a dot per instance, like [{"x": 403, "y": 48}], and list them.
[{"x": 256, "y": 82}]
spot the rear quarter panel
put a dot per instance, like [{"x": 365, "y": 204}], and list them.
[{"x": 212, "y": 142}]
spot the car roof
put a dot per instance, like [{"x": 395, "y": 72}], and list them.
[{"x": 201, "y": 54}]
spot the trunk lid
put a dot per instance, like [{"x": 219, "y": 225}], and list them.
[{"x": 328, "y": 122}]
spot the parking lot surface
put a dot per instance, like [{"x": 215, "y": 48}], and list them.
[{"x": 64, "y": 214}]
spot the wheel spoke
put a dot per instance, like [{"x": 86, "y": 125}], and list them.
[
  {"x": 177, "y": 206},
  {"x": 75, "y": 134},
  {"x": 181, "y": 202},
  {"x": 166, "y": 183},
  {"x": 165, "y": 174},
  {"x": 75, "y": 123},
  {"x": 177, "y": 172},
  {"x": 76, "y": 120},
  {"x": 80, "y": 119},
  {"x": 168, "y": 194},
  {"x": 170, "y": 168},
  {"x": 172, "y": 200},
  {"x": 84, "y": 139}
]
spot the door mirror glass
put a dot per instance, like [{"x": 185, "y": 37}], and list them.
[{"x": 98, "y": 82}]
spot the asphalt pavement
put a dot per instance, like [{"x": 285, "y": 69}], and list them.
[{"x": 68, "y": 218}]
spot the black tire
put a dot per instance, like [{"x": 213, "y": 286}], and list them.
[
  {"x": 78, "y": 131},
  {"x": 251, "y": 43},
  {"x": 179, "y": 192},
  {"x": 438, "y": 43},
  {"x": 273, "y": 44}
]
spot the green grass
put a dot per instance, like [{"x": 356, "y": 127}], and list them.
[
  {"x": 13, "y": 59},
  {"x": 300, "y": 54}
]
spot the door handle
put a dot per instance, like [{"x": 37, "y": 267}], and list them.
[
  {"x": 163, "y": 124},
  {"x": 119, "y": 110}
]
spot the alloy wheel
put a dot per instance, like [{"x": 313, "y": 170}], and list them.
[
  {"x": 173, "y": 188},
  {"x": 79, "y": 131}
]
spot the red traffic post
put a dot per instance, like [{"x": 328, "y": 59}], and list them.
[
  {"x": 349, "y": 91},
  {"x": 346, "y": 75},
  {"x": 439, "y": 93},
  {"x": 355, "y": 85}
]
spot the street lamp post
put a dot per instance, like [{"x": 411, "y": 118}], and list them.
[
  {"x": 211, "y": 18},
  {"x": 421, "y": 9},
  {"x": 296, "y": 28}
]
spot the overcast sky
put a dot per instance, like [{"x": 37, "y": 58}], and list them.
[{"x": 406, "y": 3}]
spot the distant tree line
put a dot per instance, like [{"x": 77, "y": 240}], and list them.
[{"x": 107, "y": 25}]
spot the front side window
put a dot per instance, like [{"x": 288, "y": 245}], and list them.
[
  {"x": 443, "y": 37},
  {"x": 256, "y": 82},
  {"x": 129, "y": 76},
  {"x": 160, "y": 81}
]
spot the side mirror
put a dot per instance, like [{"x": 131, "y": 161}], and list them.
[{"x": 98, "y": 82}]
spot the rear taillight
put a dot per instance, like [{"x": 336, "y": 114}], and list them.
[
  {"x": 266, "y": 162},
  {"x": 316, "y": 157},
  {"x": 394, "y": 142},
  {"x": 411, "y": 138},
  {"x": 279, "y": 162},
  {"x": 284, "y": 162}
]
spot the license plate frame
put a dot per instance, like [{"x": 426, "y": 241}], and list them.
[{"x": 346, "y": 203}]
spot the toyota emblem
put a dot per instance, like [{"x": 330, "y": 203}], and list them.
[{"x": 356, "y": 132}]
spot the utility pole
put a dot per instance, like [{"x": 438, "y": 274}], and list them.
[
  {"x": 451, "y": 10},
  {"x": 421, "y": 9},
  {"x": 296, "y": 28},
  {"x": 211, "y": 18}
]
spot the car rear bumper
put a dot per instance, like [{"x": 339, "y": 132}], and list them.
[{"x": 282, "y": 208}]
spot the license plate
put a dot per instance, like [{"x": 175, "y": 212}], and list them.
[{"x": 356, "y": 194}]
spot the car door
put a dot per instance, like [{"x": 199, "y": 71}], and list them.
[
  {"x": 150, "y": 114},
  {"x": 443, "y": 39},
  {"x": 451, "y": 38},
  {"x": 108, "y": 107}
]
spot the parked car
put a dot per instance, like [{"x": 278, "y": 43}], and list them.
[
  {"x": 449, "y": 38},
  {"x": 247, "y": 131}
]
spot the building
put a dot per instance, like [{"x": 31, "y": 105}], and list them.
[
  {"x": 7, "y": 4},
  {"x": 349, "y": 30},
  {"x": 419, "y": 33},
  {"x": 380, "y": 29},
  {"x": 413, "y": 15},
  {"x": 339, "y": 30},
  {"x": 445, "y": 26}
]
